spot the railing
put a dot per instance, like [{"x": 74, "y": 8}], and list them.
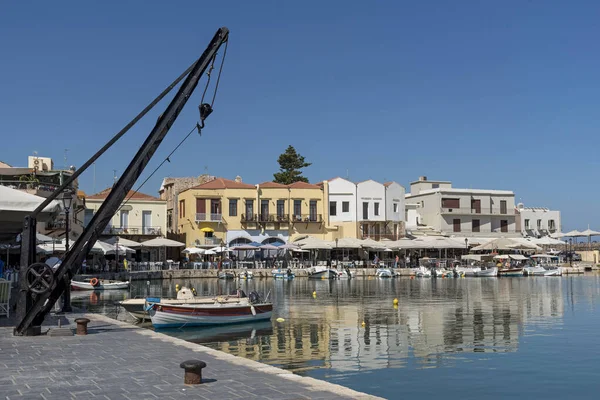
[
  {"x": 214, "y": 217},
  {"x": 380, "y": 236},
  {"x": 208, "y": 241},
  {"x": 480, "y": 230},
  {"x": 25, "y": 184},
  {"x": 477, "y": 211},
  {"x": 133, "y": 230},
  {"x": 273, "y": 218},
  {"x": 249, "y": 217},
  {"x": 307, "y": 218},
  {"x": 52, "y": 225}
]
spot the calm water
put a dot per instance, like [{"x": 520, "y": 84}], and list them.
[{"x": 456, "y": 338}]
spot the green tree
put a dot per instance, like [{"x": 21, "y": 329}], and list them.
[{"x": 290, "y": 165}]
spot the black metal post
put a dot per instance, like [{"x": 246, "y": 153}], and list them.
[
  {"x": 67, "y": 295},
  {"x": 570, "y": 252}
]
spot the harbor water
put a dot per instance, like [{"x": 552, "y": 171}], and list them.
[{"x": 456, "y": 338}]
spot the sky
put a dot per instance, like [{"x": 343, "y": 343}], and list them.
[{"x": 489, "y": 95}]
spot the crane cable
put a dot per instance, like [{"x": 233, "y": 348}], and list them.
[{"x": 198, "y": 126}]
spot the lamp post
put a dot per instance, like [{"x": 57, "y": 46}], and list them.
[
  {"x": 336, "y": 249},
  {"x": 570, "y": 252},
  {"x": 67, "y": 200}
]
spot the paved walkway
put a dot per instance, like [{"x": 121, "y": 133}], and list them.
[{"x": 120, "y": 361}]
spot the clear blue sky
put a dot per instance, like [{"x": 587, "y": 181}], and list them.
[{"x": 500, "y": 95}]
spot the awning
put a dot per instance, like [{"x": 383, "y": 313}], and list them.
[
  {"x": 518, "y": 257},
  {"x": 207, "y": 229}
]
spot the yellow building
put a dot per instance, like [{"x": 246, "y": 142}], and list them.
[
  {"x": 231, "y": 212},
  {"x": 140, "y": 217}
]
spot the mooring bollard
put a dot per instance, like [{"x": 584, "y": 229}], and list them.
[
  {"x": 193, "y": 371},
  {"x": 82, "y": 325}
]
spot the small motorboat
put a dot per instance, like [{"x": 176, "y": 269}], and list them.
[
  {"x": 553, "y": 270},
  {"x": 535, "y": 270},
  {"x": 487, "y": 272},
  {"x": 422, "y": 272},
  {"x": 384, "y": 273},
  {"x": 510, "y": 272},
  {"x": 99, "y": 284},
  {"x": 467, "y": 271},
  {"x": 280, "y": 274},
  {"x": 245, "y": 275},
  {"x": 245, "y": 309},
  {"x": 441, "y": 273},
  {"x": 226, "y": 275},
  {"x": 345, "y": 273},
  {"x": 138, "y": 307},
  {"x": 322, "y": 272}
]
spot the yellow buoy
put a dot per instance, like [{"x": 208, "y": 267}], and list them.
[
  {"x": 395, "y": 302},
  {"x": 280, "y": 319},
  {"x": 314, "y": 294},
  {"x": 363, "y": 324},
  {"x": 395, "y": 306},
  {"x": 177, "y": 287}
]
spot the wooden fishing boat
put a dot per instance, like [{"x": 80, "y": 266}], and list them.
[
  {"x": 226, "y": 275},
  {"x": 321, "y": 272},
  {"x": 487, "y": 272},
  {"x": 467, "y": 271},
  {"x": 245, "y": 309},
  {"x": 99, "y": 284}
]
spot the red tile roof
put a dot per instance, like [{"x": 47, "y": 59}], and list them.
[
  {"x": 133, "y": 195},
  {"x": 386, "y": 184},
  {"x": 272, "y": 185},
  {"x": 303, "y": 185},
  {"x": 222, "y": 183}
]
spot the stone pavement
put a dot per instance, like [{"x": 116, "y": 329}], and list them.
[{"x": 120, "y": 361}]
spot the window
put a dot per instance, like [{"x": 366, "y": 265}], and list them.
[
  {"x": 476, "y": 206},
  {"x": 280, "y": 209},
  {"x": 456, "y": 224},
  {"x": 249, "y": 209},
  {"x": 539, "y": 224},
  {"x": 376, "y": 211},
  {"x": 298, "y": 210},
  {"x": 215, "y": 206},
  {"x": 365, "y": 210},
  {"x": 87, "y": 216},
  {"x": 435, "y": 185},
  {"x": 312, "y": 210},
  {"x": 395, "y": 207},
  {"x": 264, "y": 210},
  {"x": 502, "y": 206},
  {"x": 503, "y": 225},
  {"x": 527, "y": 224},
  {"x": 345, "y": 206},
  {"x": 450, "y": 203},
  {"x": 181, "y": 208},
  {"x": 169, "y": 220},
  {"x": 551, "y": 224},
  {"x": 124, "y": 219},
  {"x": 475, "y": 225},
  {"x": 233, "y": 207},
  {"x": 333, "y": 208}
]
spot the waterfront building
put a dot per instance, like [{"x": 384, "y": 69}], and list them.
[
  {"x": 364, "y": 210},
  {"x": 140, "y": 217},
  {"x": 231, "y": 212},
  {"x": 170, "y": 189},
  {"x": 537, "y": 221},
  {"x": 463, "y": 212},
  {"x": 40, "y": 178}
]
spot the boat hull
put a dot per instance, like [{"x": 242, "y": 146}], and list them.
[
  {"x": 138, "y": 308},
  {"x": 487, "y": 273},
  {"x": 78, "y": 285},
  {"x": 326, "y": 274},
  {"x": 173, "y": 316},
  {"x": 510, "y": 272},
  {"x": 226, "y": 275},
  {"x": 384, "y": 273},
  {"x": 468, "y": 271}
]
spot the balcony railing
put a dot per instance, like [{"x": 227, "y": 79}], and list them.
[
  {"x": 249, "y": 217},
  {"x": 451, "y": 230},
  {"x": 213, "y": 217},
  {"x": 52, "y": 225},
  {"x": 307, "y": 218},
  {"x": 208, "y": 241},
  {"x": 133, "y": 230},
  {"x": 274, "y": 218},
  {"x": 380, "y": 236},
  {"x": 477, "y": 211}
]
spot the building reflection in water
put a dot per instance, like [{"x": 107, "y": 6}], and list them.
[{"x": 435, "y": 319}]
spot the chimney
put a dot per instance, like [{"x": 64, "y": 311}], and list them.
[
  {"x": 238, "y": 179},
  {"x": 422, "y": 178}
]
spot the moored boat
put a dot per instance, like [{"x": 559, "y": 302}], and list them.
[
  {"x": 535, "y": 270},
  {"x": 510, "y": 272},
  {"x": 321, "y": 272},
  {"x": 384, "y": 273},
  {"x": 553, "y": 270},
  {"x": 487, "y": 272},
  {"x": 245, "y": 275},
  {"x": 99, "y": 284},
  {"x": 245, "y": 309},
  {"x": 422, "y": 272},
  {"x": 280, "y": 274},
  {"x": 467, "y": 271},
  {"x": 226, "y": 275}
]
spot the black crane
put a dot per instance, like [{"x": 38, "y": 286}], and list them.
[{"x": 40, "y": 286}]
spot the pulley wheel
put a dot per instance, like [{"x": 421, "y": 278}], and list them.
[{"x": 40, "y": 278}]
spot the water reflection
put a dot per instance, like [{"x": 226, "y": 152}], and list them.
[{"x": 353, "y": 325}]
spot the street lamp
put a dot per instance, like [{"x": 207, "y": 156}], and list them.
[
  {"x": 570, "y": 252},
  {"x": 67, "y": 200}
]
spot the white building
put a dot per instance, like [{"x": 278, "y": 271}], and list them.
[
  {"x": 537, "y": 221},
  {"x": 394, "y": 210},
  {"x": 370, "y": 196},
  {"x": 465, "y": 212},
  {"x": 342, "y": 206}
]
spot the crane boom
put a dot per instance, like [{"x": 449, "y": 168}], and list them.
[{"x": 31, "y": 309}]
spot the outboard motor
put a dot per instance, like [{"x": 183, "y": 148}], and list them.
[{"x": 254, "y": 297}]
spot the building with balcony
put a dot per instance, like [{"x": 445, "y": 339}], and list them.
[
  {"x": 464, "y": 212},
  {"x": 231, "y": 212},
  {"x": 41, "y": 179},
  {"x": 140, "y": 217},
  {"x": 537, "y": 221},
  {"x": 170, "y": 189}
]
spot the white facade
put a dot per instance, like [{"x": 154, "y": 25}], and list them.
[
  {"x": 342, "y": 200},
  {"x": 538, "y": 221},
  {"x": 468, "y": 212},
  {"x": 371, "y": 201},
  {"x": 394, "y": 201}
]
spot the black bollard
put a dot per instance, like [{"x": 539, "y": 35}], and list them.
[{"x": 193, "y": 371}]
